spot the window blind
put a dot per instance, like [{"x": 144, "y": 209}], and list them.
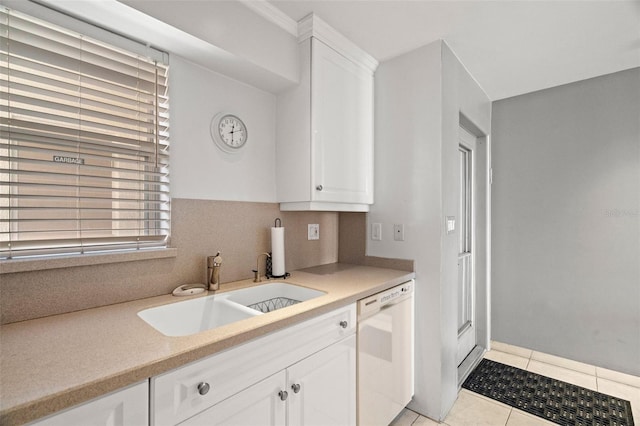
[{"x": 84, "y": 143}]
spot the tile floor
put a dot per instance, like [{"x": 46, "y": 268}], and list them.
[{"x": 472, "y": 409}]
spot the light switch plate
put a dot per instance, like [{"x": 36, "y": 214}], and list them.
[
  {"x": 451, "y": 224},
  {"x": 313, "y": 231},
  {"x": 376, "y": 231}
]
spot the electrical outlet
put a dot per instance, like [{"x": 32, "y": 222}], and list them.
[
  {"x": 313, "y": 231},
  {"x": 398, "y": 232}
]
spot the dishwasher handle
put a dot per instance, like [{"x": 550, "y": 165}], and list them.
[{"x": 389, "y": 297}]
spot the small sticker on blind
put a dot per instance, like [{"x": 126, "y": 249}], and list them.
[{"x": 68, "y": 160}]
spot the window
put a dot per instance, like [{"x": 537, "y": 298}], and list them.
[{"x": 84, "y": 143}]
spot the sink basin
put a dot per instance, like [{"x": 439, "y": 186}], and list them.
[
  {"x": 205, "y": 313},
  {"x": 196, "y": 315},
  {"x": 269, "y": 297}
]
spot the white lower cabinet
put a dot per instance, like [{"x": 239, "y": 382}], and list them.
[
  {"x": 259, "y": 404},
  {"x": 302, "y": 375},
  {"x": 319, "y": 390},
  {"x": 126, "y": 407},
  {"x": 326, "y": 383}
]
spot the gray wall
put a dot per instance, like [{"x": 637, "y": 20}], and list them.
[{"x": 566, "y": 221}]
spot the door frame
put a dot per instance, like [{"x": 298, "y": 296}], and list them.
[{"x": 482, "y": 246}]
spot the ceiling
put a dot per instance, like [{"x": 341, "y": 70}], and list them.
[{"x": 510, "y": 47}]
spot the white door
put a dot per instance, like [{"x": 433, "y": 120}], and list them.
[
  {"x": 259, "y": 405},
  {"x": 322, "y": 387},
  {"x": 466, "y": 276},
  {"x": 341, "y": 128}
]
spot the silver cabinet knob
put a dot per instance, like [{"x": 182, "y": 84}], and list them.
[
  {"x": 319, "y": 188},
  {"x": 203, "y": 388},
  {"x": 295, "y": 387},
  {"x": 344, "y": 324},
  {"x": 283, "y": 395}
]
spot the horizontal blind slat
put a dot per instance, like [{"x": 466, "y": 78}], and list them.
[
  {"x": 78, "y": 58},
  {"x": 22, "y": 71},
  {"x": 25, "y": 25},
  {"x": 85, "y": 110},
  {"x": 97, "y": 149},
  {"x": 62, "y": 132},
  {"x": 78, "y": 246},
  {"x": 28, "y": 137}
]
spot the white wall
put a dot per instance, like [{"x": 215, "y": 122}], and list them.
[
  {"x": 419, "y": 96},
  {"x": 234, "y": 28},
  {"x": 199, "y": 169},
  {"x": 407, "y": 190},
  {"x": 566, "y": 227}
]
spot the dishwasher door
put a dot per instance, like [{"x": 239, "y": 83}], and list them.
[{"x": 385, "y": 355}]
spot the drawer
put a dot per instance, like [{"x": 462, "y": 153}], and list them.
[{"x": 186, "y": 391}]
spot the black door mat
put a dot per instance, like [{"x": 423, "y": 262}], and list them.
[{"x": 558, "y": 402}]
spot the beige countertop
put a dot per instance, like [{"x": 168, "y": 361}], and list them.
[{"x": 52, "y": 363}]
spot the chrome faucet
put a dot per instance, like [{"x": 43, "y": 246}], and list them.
[
  {"x": 256, "y": 272},
  {"x": 213, "y": 271}
]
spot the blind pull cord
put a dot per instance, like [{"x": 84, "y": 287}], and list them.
[{"x": 157, "y": 113}]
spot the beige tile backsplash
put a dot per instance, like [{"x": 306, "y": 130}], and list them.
[
  {"x": 199, "y": 228},
  {"x": 240, "y": 230},
  {"x": 353, "y": 242}
]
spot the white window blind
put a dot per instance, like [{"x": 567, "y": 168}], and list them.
[{"x": 84, "y": 143}]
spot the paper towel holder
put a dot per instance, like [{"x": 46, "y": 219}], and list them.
[
  {"x": 268, "y": 273},
  {"x": 269, "y": 266}
]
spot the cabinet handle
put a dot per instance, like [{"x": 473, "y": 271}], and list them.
[
  {"x": 203, "y": 388},
  {"x": 283, "y": 395},
  {"x": 344, "y": 324},
  {"x": 295, "y": 387},
  {"x": 319, "y": 188}
]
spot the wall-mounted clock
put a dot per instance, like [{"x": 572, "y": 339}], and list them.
[{"x": 228, "y": 132}]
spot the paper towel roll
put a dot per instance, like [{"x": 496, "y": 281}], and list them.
[{"x": 277, "y": 252}]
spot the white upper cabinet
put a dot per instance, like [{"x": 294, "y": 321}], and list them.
[{"x": 324, "y": 134}]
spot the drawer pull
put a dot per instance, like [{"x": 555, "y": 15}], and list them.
[
  {"x": 203, "y": 388},
  {"x": 295, "y": 387},
  {"x": 283, "y": 395},
  {"x": 344, "y": 324},
  {"x": 319, "y": 188}
]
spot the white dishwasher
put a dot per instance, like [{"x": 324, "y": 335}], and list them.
[{"x": 385, "y": 354}]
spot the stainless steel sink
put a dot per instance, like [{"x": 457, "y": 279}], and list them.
[{"x": 205, "y": 313}]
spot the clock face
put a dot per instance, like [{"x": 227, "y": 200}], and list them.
[{"x": 232, "y": 132}]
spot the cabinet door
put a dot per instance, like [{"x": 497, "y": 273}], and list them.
[
  {"x": 258, "y": 405},
  {"x": 322, "y": 387},
  {"x": 125, "y": 407},
  {"x": 341, "y": 128}
]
